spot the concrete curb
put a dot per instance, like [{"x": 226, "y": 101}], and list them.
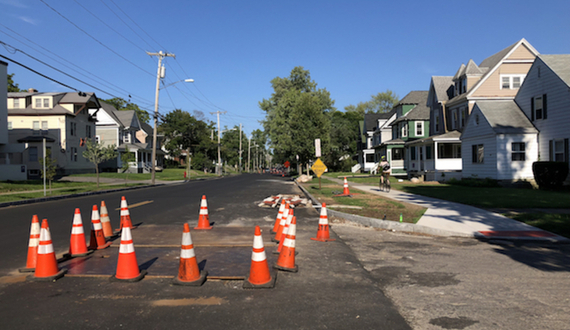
[{"x": 386, "y": 224}]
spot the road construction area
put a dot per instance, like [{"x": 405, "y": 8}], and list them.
[{"x": 359, "y": 278}]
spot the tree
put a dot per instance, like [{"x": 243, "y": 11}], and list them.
[
  {"x": 230, "y": 145},
  {"x": 96, "y": 154},
  {"x": 344, "y": 134},
  {"x": 184, "y": 132},
  {"x": 51, "y": 167},
  {"x": 126, "y": 158},
  {"x": 297, "y": 114},
  {"x": 12, "y": 86},
  {"x": 379, "y": 103},
  {"x": 121, "y": 104}
]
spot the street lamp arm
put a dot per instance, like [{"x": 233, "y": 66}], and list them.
[{"x": 176, "y": 82}]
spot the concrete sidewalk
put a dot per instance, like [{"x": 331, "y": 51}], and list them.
[{"x": 450, "y": 217}]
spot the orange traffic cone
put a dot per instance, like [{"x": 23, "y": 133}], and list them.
[
  {"x": 203, "y": 220},
  {"x": 127, "y": 266},
  {"x": 286, "y": 259},
  {"x": 77, "y": 245},
  {"x": 259, "y": 275},
  {"x": 32, "y": 246},
  {"x": 125, "y": 215},
  {"x": 284, "y": 234},
  {"x": 278, "y": 219},
  {"x": 323, "y": 234},
  {"x": 106, "y": 221},
  {"x": 279, "y": 234},
  {"x": 46, "y": 265},
  {"x": 345, "y": 190},
  {"x": 189, "y": 273},
  {"x": 97, "y": 240}
]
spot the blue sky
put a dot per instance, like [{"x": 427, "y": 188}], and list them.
[{"x": 232, "y": 49}]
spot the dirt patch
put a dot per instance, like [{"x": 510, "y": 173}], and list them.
[{"x": 453, "y": 322}]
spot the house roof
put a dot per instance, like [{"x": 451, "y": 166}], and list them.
[
  {"x": 371, "y": 121},
  {"x": 459, "y": 72},
  {"x": 414, "y": 97},
  {"x": 29, "y": 111},
  {"x": 126, "y": 117},
  {"x": 441, "y": 86},
  {"x": 147, "y": 128},
  {"x": 453, "y": 135},
  {"x": 472, "y": 69},
  {"x": 110, "y": 110},
  {"x": 505, "y": 117},
  {"x": 560, "y": 64}
]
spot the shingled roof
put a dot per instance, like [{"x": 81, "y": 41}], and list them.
[
  {"x": 560, "y": 64},
  {"x": 505, "y": 117}
]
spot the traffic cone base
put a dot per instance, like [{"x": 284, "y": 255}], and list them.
[
  {"x": 323, "y": 239},
  {"x": 287, "y": 269},
  {"x": 52, "y": 278},
  {"x": 142, "y": 274},
  {"x": 269, "y": 285},
  {"x": 76, "y": 255},
  {"x": 198, "y": 282}
]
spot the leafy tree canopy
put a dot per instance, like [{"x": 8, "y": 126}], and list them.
[
  {"x": 121, "y": 104},
  {"x": 379, "y": 103},
  {"x": 297, "y": 114},
  {"x": 184, "y": 132},
  {"x": 12, "y": 86}
]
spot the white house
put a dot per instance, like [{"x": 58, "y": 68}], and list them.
[
  {"x": 544, "y": 97},
  {"x": 499, "y": 142}
]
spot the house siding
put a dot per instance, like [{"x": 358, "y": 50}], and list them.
[
  {"x": 491, "y": 87},
  {"x": 515, "y": 170},
  {"x": 558, "y": 105},
  {"x": 488, "y": 169}
]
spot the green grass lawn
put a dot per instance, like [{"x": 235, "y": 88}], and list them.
[
  {"x": 555, "y": 223},
  {"x": 169, "y": 174}
]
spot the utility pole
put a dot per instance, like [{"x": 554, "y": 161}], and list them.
[
  {"x": 248, "y": 154},
  {"x": 240, "y": 148},
  {"x": 218, "y": 172},
  {"x": 159, "y": 75}
]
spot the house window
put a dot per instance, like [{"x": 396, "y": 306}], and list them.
[
  {"x": 127, "y": 138},
  {"x": 538, "y": 107},
  {"x": 512, "y": 81},
  {"x": 477, "y": 153},
  {"x": 88, "y": 131},
  {"x": 419, "y": 128},
  {"x": 370, "y": 158},
  {"x": 98, "y": 139},
  {"x": 429, "y": 152},
  {"x": 73, "y": 154},
  {"x": 16, "y": 103},
  {"x": 46, "y": 103},
  {"x": 36, "y": 126},
  {"x": 454, "y": 119},
  {"x": 9, "y": 125},
  {"x": 38, "y": 103},
  {"x": 518, "y": 151},
  {"x": 559, "y": 150},
  {"x": 463, "y": 85},
  {"x": 448, "y": 150},
  {"x": 44, "y": 127},
  {"x": 33, "y": 154},
  {"x": 397, "y": 153},
  {"x": 73, "y": 129},
  {"x": 462, "y": 117},
  {"x": 412, "y": 153}
]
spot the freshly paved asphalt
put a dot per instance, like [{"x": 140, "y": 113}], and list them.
[{"x": 331, "y": 290}]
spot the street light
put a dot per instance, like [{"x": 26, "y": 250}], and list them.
[{"x": 159, "y": 75}]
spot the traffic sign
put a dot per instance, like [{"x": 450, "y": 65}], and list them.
[
  {"x": 319, "y": 167},
  {"x": 287, "y": 164}
]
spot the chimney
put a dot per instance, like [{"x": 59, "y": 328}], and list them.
[{"x": 31, "y": 90}]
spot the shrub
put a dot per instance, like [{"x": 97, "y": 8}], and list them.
[{"x": 550, "y": 175}]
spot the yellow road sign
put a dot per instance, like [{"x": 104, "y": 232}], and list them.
[{"x": 319, "y": 167}]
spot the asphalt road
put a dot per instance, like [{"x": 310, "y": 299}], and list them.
[{"x": 331, "y": 290}]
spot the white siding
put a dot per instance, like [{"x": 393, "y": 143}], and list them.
[
  {"x": 472, "y": 129},
  {"x": 515, "y": 170},
  {"x": 556, "y": 125},
  {"x": 489, "y": 167}
]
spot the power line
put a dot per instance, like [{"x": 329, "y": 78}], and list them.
[
  {"x": 102, "y": 44},
  {"x": 36, "y": 72},
  {"x": 121, "y": 19}
]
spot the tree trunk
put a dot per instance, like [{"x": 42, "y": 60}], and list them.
[{"x": 97, "y": 171}]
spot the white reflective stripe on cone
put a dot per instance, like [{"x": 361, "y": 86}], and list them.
[
  {"x": 289, "y": 243},
  {"x": 187, "y": 253},
  {"x": 97, "y": 225},
  {"x": 203, "y": 211},
  {"x": 34, "y": 242},
  {"x": 258, "y": 256},
  {"x": 127, "y": 248},
  {"x": 257, "y": 242},
  {"x": 186, "y": 239},
  {"x": 45, "y": 248},
  {"x": 77, "y": 230}
]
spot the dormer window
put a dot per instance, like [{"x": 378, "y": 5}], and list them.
[
  {"x": 127, "y": 137},
  {"x": 42, "y": 103},
  {"x": 16, "y": 103},
  {"x": 463, "y": 85}
]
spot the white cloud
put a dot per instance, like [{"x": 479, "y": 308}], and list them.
[{"x": 28, "y": 20}]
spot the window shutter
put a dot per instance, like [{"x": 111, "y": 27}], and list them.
[
  {"x": 544, "y": 106},
  {"x": 474, "y": 153},
  {"x": 551, "y": 151},
  {"x": 566, "y": 150},
  {"x": 532, "y": 108}
]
